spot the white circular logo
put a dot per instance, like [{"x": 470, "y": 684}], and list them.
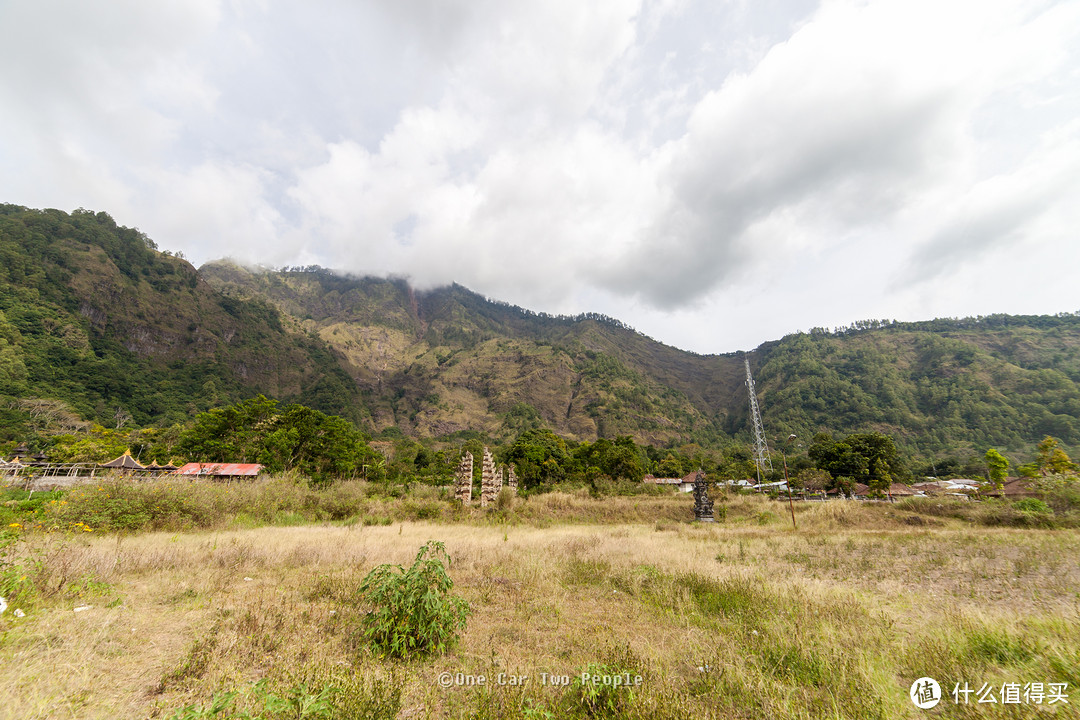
[{"x": 925, "y": 693}]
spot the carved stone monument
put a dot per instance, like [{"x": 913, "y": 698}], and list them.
[
  {"x": 463, "y": 479},
  {"x": 490, "y": 481},
  {"x": 511, "y": 479},
  {"x": 703, "y": 510}
]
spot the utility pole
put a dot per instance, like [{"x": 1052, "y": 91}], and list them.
[
  {"x": 761, "y": 448},
  {"x": 788, "y": 482}
]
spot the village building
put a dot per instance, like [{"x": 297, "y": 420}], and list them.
[
  {"x": 684, "y": 484},
  {"x": 221, "y": 471},
  {"x": 123, "y": 463}
]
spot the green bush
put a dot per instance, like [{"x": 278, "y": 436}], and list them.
[
  {"x": 1031, "y": 505},
  {"x": 412, "y": 610},
  {"x": 606, "y": 689}
]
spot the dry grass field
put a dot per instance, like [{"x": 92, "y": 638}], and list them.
[{"x": 741, "y": 619}]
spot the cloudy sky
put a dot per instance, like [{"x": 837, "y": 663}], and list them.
[{"x": 715, "y": 173}]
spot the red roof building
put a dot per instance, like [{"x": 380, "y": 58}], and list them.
[{"x": 221, "y": 470}]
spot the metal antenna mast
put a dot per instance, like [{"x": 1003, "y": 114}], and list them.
[{"x": 761, "y": 448}]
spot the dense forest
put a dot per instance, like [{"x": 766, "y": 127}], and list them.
[
  {"x": 94, "y": 315},
  {"x": 1000, "y": 380}
]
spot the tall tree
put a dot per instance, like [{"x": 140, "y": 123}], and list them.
[
  {"x": 997, "y": 465},
  {"x": 869, "y": 458},
  {"x": 293, "y": 438},
  {"x": 1052, "y": 459}
]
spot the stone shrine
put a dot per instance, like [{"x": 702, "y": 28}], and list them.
[
  {"x": 490, "y": 481},
  {"x": 703, "y": 507},
  {"x": 463, "y": 479}
]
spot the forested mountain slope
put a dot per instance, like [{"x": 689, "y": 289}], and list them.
[
  {"x": 92, "y": 314},
  {"x": 999, "y": 380},
  {"x": 449, "y": 359}
]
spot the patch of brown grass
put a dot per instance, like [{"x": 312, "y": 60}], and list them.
[{"x": 824, "y": 622}]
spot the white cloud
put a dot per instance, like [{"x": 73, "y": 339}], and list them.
[
  {"x": 714, "y": 173},
  {"x": 216, "y": 208},
  {"x": 861, "y": 113}
]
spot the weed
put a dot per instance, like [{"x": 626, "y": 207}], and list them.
[
  {"x": 14, "y": 583},
  {"x": 766, "y": 517},
  {"x": 606, "y": 689},
  {"x": 1032, "y": 505},
  {"x": 194, "y": 664},
  {"x": 586, "y": 572},
  {"x": 299, "y": 703},
  {"x": 413, "y": 611},
  {"x": 372, "y": 698},
  {"x": 794, "y": 664},
  {"x": 997, "y": 647},
  {"x": 728, "y": 598},
  {"x": 601, "y": 690},
  {"x": 504, "y": 502}
]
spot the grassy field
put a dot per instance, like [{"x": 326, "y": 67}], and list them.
[{"x": 742, "y": 619}]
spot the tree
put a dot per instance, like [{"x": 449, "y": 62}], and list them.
[
  {"x": 624, "y": 461},
  {"x": 871, "y": 458},
  {"x": 998, "y": 466},
  {"x": 669, "y": 467},
  {"x": 880, "y": 479},
  {"x": 51, "y": 415},
  {"x": 294, "y": 438},
  {"x": 229, "y": 434},
  {"x": 540, "y": 456},
  {"x": 1052, "y": 459},
  {"x": 844, "y": 485},
  {"x": 12, "y": 369},
  {"x": 619, "y": 459},
  {"x": 812, "y": 480}
]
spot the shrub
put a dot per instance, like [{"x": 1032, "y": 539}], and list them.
[
  {"x": 606, "y": 689},
  {"x": 505, "y": 500},
  {"x": 13, "y": 576},
  {"x": 423, "y": 510},
  {"x": 413, "y": 611},
  {"x": 1031, "y": 505}
]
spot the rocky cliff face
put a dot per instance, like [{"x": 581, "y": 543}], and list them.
[{"x": 446, "y": 360}]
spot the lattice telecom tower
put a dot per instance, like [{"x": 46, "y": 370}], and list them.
[{"x": 761, "y": 448}]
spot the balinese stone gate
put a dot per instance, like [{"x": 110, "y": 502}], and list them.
[
  {"x": 490, "y": 481},
  {"x": 703, "y": 511},
  {"x": 463, "y": 479},
  {"x": 511, "y": 479}
]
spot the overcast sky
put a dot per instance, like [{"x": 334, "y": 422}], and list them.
[{"x": 715, "y": 174}]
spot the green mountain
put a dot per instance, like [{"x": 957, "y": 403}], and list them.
[
  {"x": 95, "y": 315},
  {"x": 1005, "y": 381},
  {"x": 448, "y": 360}
]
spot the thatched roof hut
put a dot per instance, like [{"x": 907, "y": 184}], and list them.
[{"x": 124, "y": 462}]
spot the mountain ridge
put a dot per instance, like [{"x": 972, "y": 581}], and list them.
[
  {"x": 94, "y": 314},
  {"x": 894, "y": 381}
]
